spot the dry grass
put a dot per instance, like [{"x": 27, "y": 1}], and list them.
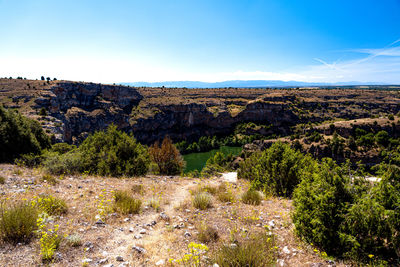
[{"x": 162, "y": 240}]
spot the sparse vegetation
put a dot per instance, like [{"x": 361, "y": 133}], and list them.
[
  {"x": 202, "y": 201},
  {"x": 251, "y": 197},
  {"x": 207, "y": 233},
  {"x": 258, "y": 250},
  {"x": 17, "y": 222},
  {"x": 51, "y": 205},
  {"x": 126, "y": 204}
]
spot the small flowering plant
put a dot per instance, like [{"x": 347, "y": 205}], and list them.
[
  {"x": 193, "y": 257},
  {"x": 49, "y": 237}
]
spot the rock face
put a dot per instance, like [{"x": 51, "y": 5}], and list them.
[
  {"x": 190, "y": 121},
  {"x": 76, "y": 109},
  {"x": 87, "y": 107}
]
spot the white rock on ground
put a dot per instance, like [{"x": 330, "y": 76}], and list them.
[{"x": 230, "y": 177}]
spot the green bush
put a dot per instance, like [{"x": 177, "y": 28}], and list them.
[
  {"x": 350, "y": 217},
  {"x": 114, "y": 153},
  {"x": 277, "y": 170},
  {"x": 202, "y": 201},
  {"x": 20, "y": 135},
  {"x": 18, "y": 222},
  {"x": 372, "y": 224},
  {"x": 52, "y": 205},
  {"x": 320, "y": 204},
  {"x": 257, "y": 250},
  {"x": 251, "y": 197},
  {"x": 126, "y": 204},
  {"x": 108, "y": 153},
  {"x": 68, "y": 163},
  {"x": 2, "y": 180}
]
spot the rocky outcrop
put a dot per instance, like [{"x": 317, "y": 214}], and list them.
[{"x": 190, "y": 121}]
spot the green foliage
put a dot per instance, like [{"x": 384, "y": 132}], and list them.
[
  {"x": 350, "y": 217},
  {"x": 17, "y": 222},
  {"x": 167, "y": 157},
  {"x": 68, "y": 163},
  {"x": 382, "y": 138},
  {"x": 202, "y": 201},
  {"x": 391, "y": 117},
  {"x": 126, "y": 204},
  {"x": 321, "y": 201},
  {"x": 113, "y": 153},
  {"x": 372, "y": 224},
  {"x": 251, "y": 197},
  {"x": 43, "y": 112},
  {"x": 49, "y": 179},
  {"x": 51, "y": 205},
  {"x": 257, "y": 250},
  {"x": 277, "y": 170},
  {"x": 2, "y": 180},
  {"x": 19, "y": 135},
  {"x": 108, "y": 153}
]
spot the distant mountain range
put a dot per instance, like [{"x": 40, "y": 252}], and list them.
[{"x": 242, "y": 83}]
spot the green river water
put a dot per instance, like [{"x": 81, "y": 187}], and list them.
[{"x": 197, "y": 161}]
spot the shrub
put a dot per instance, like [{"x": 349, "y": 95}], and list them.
[
  {"x": 51, "y": 205},
  {"x": 138, "y": 189},
  {"x": 43, "y": 112},
  {"x": 109, "y": 153},
  {"x": 258, "y": 250},
  {"x": 125, "y": 204},
  {"x": 17, "y": 222},
  {"x": 2, "y": 180},
  {"x": 68, "y": 163},
  {"x": 113, "y": 153},
  {"x": 391, "y": 117},
  {"x": 372, "y": 224},
  {"x": 277, "y": 170},
  {"x": 251, "y": 197},
  {"x": 167, "y": 157},
  {"x": 202, "y": 201},
  {"x": 225, "y": 193},
  {"x": 320, "y": 204},
  {"x": 74, "y": 240},
  {"x": 19, "y": 135},
  {"x": 207, "y": 234},
  {"x": 49, "y": 179}
]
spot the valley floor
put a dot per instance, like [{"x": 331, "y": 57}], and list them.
[{"x": 163, "y": 233}]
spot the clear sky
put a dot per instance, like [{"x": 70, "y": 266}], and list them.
[{"x": 205, "y": 40}]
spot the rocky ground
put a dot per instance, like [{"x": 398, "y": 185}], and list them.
[{"x": 155, "y": 235}]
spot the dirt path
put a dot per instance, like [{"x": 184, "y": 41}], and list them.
[{"x": 154, "y": 238}]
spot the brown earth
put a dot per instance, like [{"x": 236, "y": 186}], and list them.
[{"x": 162, "y": 240}]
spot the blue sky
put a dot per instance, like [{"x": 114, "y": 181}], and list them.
[{"x": 207, "y": 40}]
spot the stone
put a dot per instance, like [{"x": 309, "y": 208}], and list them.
[
  {"x": 139, "y": 249},
  {"x": 119, "y": 258},
  {"x": 142, "y": 231},
  {"x": 187, "y": 234},
  {"x": 286, "y": 250},
  {"x": 280, "y": 262},
  {"x": 137, "y": 236},
  {"x": 103, "y": 261},
  {"x": 160, "y": 262},
  {"x": 131, "y": 229}
]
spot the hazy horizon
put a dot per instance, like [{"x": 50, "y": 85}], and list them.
[{"x": 206, "y": 41}]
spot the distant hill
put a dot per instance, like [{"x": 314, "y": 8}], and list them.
[{"x": 242, "y": 84}]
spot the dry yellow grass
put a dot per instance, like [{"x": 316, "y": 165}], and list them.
[{"x": 88, "y": 196}]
